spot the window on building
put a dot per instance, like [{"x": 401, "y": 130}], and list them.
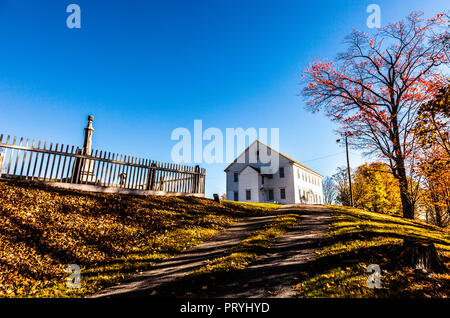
[
  {"x": 300, "y": 194},
  {"x": 248, "y": 195},
  {"x": 236, "y": 196},
  {"x": 270, "y": 195},
  {"x": 281, "y": 172},
  {"x": 282, "y": 194},
  {"x": 236, "y": 177},
  {"x": 262, "y": 179},
  {"x": 298, "y": 173}
]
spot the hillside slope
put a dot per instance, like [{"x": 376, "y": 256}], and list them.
[
  {"x": 43, "y": 230},
  {"x": 359, "y": 238}
]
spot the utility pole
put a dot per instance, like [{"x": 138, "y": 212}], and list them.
[{"x": 348, "y": 170}]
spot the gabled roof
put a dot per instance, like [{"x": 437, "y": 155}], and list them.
[
  {"x": 272, "y": 149},
  {"x": 249, "y": 166}
]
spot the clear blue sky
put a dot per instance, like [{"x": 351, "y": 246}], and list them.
[{"x": 144, "y": 68}]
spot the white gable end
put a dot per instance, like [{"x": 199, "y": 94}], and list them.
[{"x": 250, "y": 180}]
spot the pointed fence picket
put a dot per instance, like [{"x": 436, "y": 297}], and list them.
[{"x": 33, "y": 160}]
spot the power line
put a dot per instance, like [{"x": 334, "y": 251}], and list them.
[{"x": 328, "y": 156}]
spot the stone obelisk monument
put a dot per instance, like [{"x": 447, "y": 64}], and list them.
[
  {"x": 87, "y": 168},
  {"x": 88, "y": 132}
]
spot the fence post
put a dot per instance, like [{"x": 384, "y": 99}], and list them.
[
  {"x": 78, "y": 163},
  {"x": 161, "y": 184},
  {"x": 203, "y": 180},
  {"x": 196, "y": 178},
  {"x": 2, "y": 159},
  {"x": 151, "y": 177}
]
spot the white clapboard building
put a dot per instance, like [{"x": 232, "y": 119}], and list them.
[{"x": 249, "y": 179}]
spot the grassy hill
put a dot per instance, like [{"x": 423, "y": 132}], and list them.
[
  {"x": 358, "y": 238},
  {"x": 43, "y": 230}
]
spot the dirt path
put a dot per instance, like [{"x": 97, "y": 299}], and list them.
[
  {"x": 274, "y": 274},
  {"x": 187, "y": 261},
  {"x": 270, "y": 276}
]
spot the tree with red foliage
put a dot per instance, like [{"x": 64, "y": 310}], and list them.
[
  {"x": 375, "y": 88},
  {"x": 432, "y": 127},
  {"x": 433, "y": 136}
]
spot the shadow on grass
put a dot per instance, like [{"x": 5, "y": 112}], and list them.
[
  {"x": 347, "y": 267},
  {"x": 215, "y": 284},
  {"x": 350, "y": 266},
  {"x": 96, "y": 229},
  {"x": 377, "y": 218}
]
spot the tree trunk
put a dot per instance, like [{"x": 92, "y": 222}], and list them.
[
  {"x": 438, "y": 215},
  {"x": 422, "y": 255},
  {"x": 407, "y": 205},
  {"x": 400, "y": 171},
  {"x": 437, "y": 210}
]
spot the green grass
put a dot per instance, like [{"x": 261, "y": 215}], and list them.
[
  {"x": 358, "y": 238},
  {"x": 258, "y": 206},
  {"x": 43, "y": 230},
  {"x": 220, "y": 271},
  {"x": 241, "y": 255}
]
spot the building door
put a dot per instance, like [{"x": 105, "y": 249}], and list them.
[{"x": 270, "y": 194}]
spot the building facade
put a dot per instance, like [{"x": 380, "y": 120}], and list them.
[{"x": 250, "y": 180}]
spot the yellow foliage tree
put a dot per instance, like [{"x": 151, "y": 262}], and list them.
[{"x": 376, "y": 189}]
